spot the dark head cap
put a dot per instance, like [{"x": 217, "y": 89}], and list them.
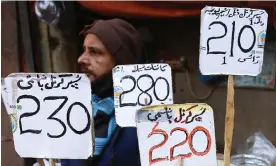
[{"x": 121, "y": 40}]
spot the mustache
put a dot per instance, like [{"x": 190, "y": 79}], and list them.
[{"x": 85, "y": 70}]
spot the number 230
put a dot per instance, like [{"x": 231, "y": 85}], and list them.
[{"x": 51, "y": 117}]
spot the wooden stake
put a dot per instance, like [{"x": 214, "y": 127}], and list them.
[
  {"x": 40, "y": 162},
  {"x": 229, "y": 120},
  {"x": 52, "y": 162},
  {"x": 180, "y": 162}
]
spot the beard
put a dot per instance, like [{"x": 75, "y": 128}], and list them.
[
  {"x": 100, "y": 86},
  {"x": 89, "y": 73},
  {"x": 103, "y": 86}
]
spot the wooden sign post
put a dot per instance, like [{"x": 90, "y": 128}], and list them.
[
  {"x": 231, "y": 43},
  {"x": 229, "y": 120},
  {"x": 52, "y": 162},
  {"x": 40, "y": 162},
  {"x": 51, "y": 115},
  {"x": 176, "y": 134},
  {"x": 180, "y": 162},
  {"x": 135, "y": 83}
]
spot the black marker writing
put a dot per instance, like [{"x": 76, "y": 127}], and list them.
[
  {"x": 39, "y": 79},
  {"x": 139, "y": 68},
  {"x": 51, "y": 83},
  {"x": 28, "y": 114},
  {"x": 71, "y": 83},
  {"x": 239, "y": 39},
  {"x": 250, "y": 57},
  {"x": 254, "y": 16},
  {"x": 152, "y": 85},
  {"x": 244, "y": 50},
  {"x": 44, "y": 83},
  {"x": 51, "y": 117},
  {"x": 190, "y": 117},
  {"x": 29, "y": 86},
  {"x": 166, "y": 111},
  {"x": 216, "y": 37},
  {"x": 116, "y": 69},
  {"x": 181, "y": 114},
  {"x": 196, "y": 117}
]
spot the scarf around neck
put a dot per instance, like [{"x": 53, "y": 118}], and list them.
[{"x": 104, "y": 121}]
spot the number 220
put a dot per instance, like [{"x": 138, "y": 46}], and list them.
[{"x": 188, "y": 138}]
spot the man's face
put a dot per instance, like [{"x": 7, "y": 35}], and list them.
[{"x": 95, "y": 60}]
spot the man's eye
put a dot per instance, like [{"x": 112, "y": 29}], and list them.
[{"x": 93, "y": 52}]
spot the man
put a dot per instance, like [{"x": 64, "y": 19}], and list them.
[{"x": 107, "y": 44}]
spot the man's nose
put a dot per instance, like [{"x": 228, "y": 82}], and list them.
[{"x": 83, "y": 59}]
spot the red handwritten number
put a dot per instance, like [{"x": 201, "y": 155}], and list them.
[
  {"x": 209, "y": 141},
  {"x": 182, "y": 156},
  {"x": 188, "y": 138},
  {"x": 163, "y": 133}
]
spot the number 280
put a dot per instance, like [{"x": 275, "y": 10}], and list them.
[{"x": 152, "y": 85}]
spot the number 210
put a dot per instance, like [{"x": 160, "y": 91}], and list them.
[
  {"x": 189, "y": 139},
  {"x": 244, "y": 50}
]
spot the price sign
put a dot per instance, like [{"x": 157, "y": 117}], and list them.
[
  {"x": 51, "y": 114},
  {"x": 232, "y": 40},
  {"x": 168, "y": 133},
  {"x": 136, "y": 84}
]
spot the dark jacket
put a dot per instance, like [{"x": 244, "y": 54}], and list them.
[{"x": 122, "y": 150}]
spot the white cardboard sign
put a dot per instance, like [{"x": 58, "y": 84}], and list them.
[
  {"x": 168, "y": 133},
  {"x": 136, "y": 84},
  {"x": 232, "y": 40},
  {"x": 51, "y": 114}
]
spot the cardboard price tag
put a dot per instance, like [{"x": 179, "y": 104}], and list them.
[
  {"x": 169, "y": 133},
  {"x": 51, "y": 114},
  {"x": 232, "y": 40},
  {"x": 135, "y": 84}
]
